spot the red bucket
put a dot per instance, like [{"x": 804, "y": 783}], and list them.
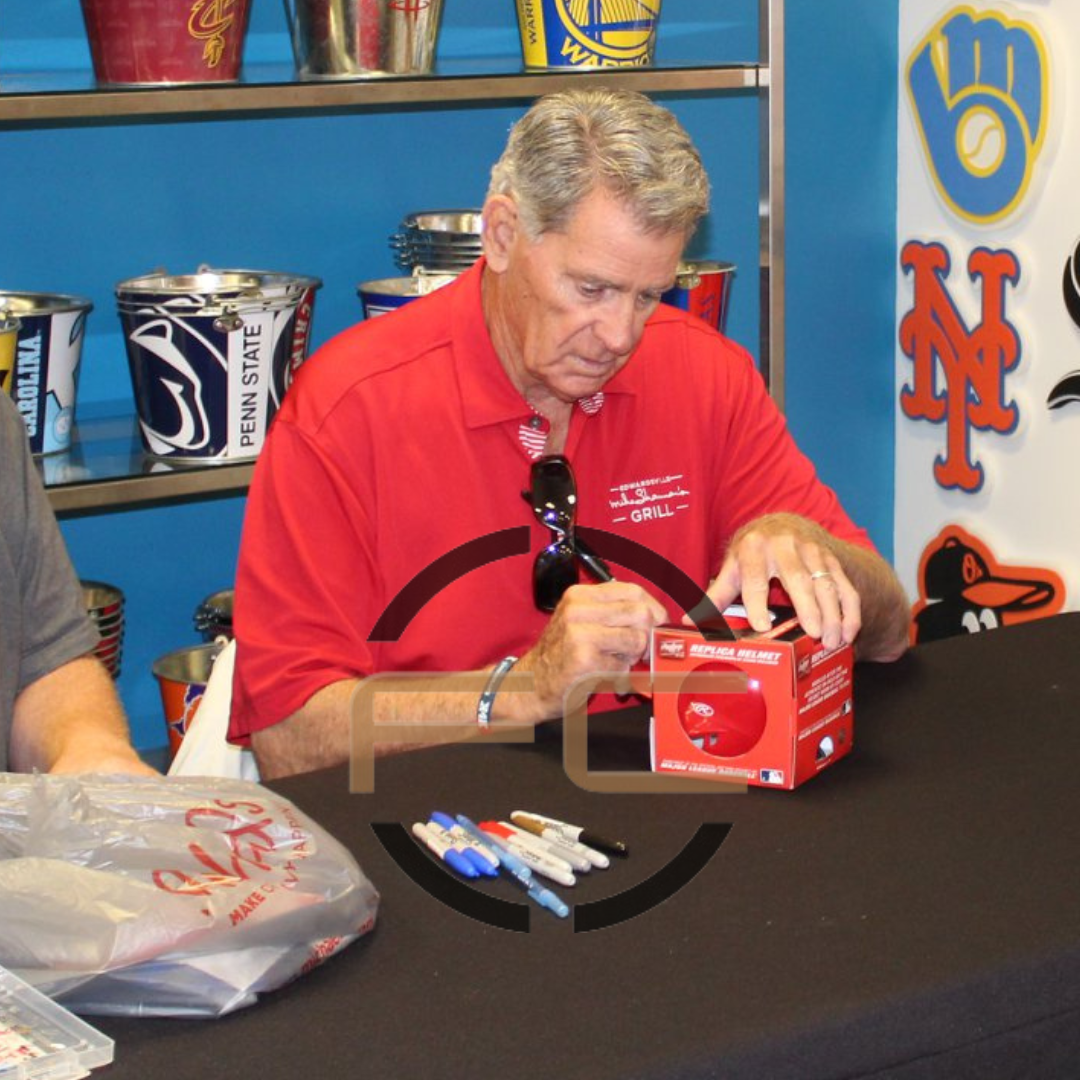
[
  {"x": 140, "y": 42},
  {"x": 703, "y": 289}
]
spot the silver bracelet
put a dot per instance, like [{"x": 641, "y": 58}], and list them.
[{"x": 487, "y": 698}]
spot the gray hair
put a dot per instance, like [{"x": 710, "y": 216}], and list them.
[{"x": 571, "y": 142}]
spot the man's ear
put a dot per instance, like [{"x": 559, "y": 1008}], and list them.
[{"x": 501, "y": 228}]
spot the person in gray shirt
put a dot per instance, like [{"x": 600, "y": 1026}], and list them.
[{"x": 59, "y": 709}]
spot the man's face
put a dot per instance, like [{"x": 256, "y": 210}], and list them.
[{"x": 573, "y": 304}]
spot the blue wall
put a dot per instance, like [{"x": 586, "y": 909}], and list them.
[
  {"x": 841, "y": 248},
  {"x": 99, "y": 202}
]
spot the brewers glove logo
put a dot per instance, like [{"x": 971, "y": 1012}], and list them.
[{"x": 978, "y": 91}]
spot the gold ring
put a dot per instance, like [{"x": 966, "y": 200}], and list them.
[{"x": 820, "y": 574}]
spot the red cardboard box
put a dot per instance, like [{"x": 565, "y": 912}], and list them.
[{"x": 789, "y": 717}]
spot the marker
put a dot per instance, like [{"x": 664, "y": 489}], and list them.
[
  {"x": 462, "y": 837},
  {"x": 550, "y": 845},
  {"x": 573, "y": 832},
  {"x": 466, "y": 851},
  {"x": 561, "y": 844},
  {"x": 551, "y": 867},
  {"x": 507, "y": 859},
  {"x": 546, "y": 898},
  {"x": 452, "y": 858},
  {"x": 520, "y": 872}
]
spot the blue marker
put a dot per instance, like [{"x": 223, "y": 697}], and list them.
[
  {"x": 463, "y": 848},
  {"x": 506, "y": 858},
  {"x": 455, "y": 860},
  {"x": 522, "y": 874},
  {"x": 480, "y": 852},
  {"x": 546, "y": 898}
]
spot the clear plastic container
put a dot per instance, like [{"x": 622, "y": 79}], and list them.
[{"x": 42, "y": 1040}]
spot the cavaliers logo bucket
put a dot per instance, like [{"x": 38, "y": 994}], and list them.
[
  {"x": 147, "y": 42},
  {"x": 588, "y": 33},
  {"x": 211, "y": 355}
]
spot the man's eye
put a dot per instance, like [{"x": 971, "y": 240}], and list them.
[{"x": 592, "y": 291}]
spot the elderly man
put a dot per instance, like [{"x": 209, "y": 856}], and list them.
[
  {"x": 407, "y": 441},
  {"x": 59, "y": 710}
]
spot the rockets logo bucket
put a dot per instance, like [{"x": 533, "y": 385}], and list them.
[
  {"x": 341, "y": 39},
  {"x": 703, "y": 289},
  {"x": 588, "y": 33},
  {"x": 146, "y": 42},
  {"x": 211, "y": 356},
  {"x": 388, "y": 294},
  {"x": 44, "y": 371}
]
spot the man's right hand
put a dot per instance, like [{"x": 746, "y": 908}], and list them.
[{"x": 595, "y": 628}]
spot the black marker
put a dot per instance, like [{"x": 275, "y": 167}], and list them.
[{"x": 572, "y": 832}]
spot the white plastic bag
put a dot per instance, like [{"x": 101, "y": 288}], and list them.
[
  {"x": 205, "y": 750},
  {"x": 170, "y": 896}
]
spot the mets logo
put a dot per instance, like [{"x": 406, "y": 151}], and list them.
[
  {"x": 959, "y": 373},
  {"x": 618, "y": 31},
  {"x": 210, "y": 21},
  {"x": 978, "y": 91}
]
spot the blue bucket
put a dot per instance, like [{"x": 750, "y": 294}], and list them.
[
  {"x": 388, "y": 294},
  {"x": 44, "y": 377}
]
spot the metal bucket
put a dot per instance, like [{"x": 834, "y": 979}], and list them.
[
  {"x": 9, "y": 338},
  {"x": 388, "y": 294},
  {"x": 703, "y": 289},
  {"x": 342, "y": 39},
  {"x": 105, "y": 606},
  {"x": 557, "y": 35},
  {"x": 213, "y": 617},
  {"x": 45, "y": 375},
  {"x": 182, "y": 676},
  {"x": 147, "y": 42},
  {"x": 211, "y": 356}
]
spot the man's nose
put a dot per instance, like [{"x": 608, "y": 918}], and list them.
[{"x": 620, "y": 326}]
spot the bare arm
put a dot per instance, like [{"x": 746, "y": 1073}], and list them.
[
  {"x": 841, "y": 592},
  {"x": 71, "y": 720},
  {"x": 596, "y": 628}
]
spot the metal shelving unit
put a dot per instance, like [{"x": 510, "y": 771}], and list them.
[{"x": 107, "y": 469}]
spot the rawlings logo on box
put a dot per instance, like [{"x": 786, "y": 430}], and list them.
[{"x": 770, "y": 710}]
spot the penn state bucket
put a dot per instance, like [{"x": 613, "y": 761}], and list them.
[{"x": 211, "y": 356}]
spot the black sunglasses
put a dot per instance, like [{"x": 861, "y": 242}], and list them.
[{"x": 553, "y": 495}]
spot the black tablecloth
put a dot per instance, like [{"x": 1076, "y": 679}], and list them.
[{"x": 911, "y": 912}]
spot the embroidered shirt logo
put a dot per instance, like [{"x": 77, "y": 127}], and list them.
[{"x": 649, "y": 500}]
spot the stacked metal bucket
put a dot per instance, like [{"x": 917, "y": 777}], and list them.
[
  {"x": 105, "y": 605},
  {"x": 446, "y": 241},
  {"x": 432, "y": 247}
]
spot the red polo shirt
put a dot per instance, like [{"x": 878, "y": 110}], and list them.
[{"x": 401, "y": 442}]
